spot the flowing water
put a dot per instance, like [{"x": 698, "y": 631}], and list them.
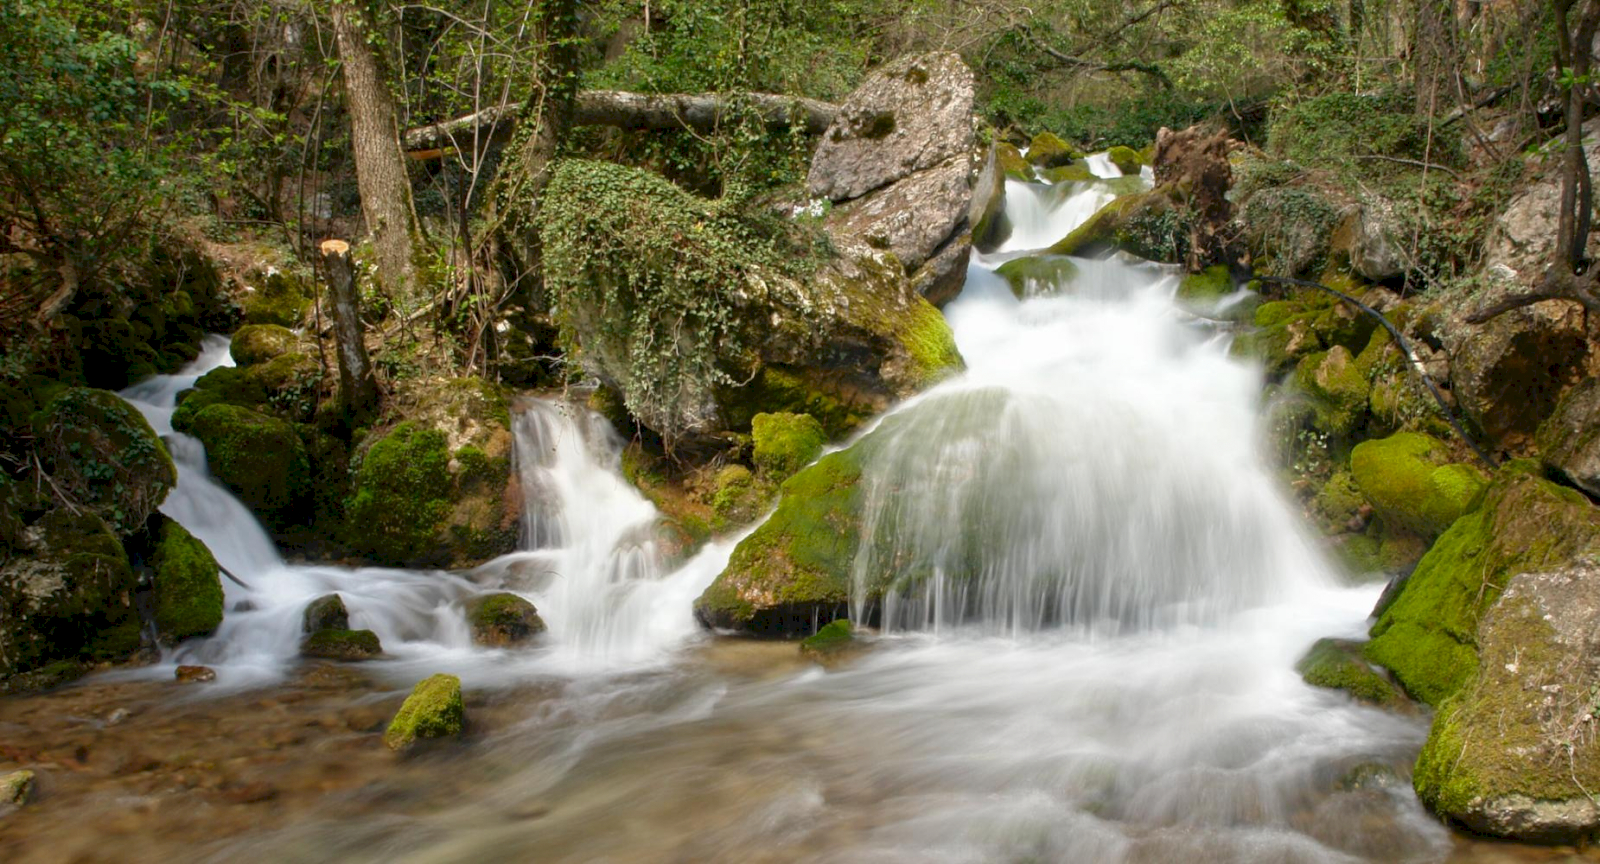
[{"x": 1093, "y": 661}]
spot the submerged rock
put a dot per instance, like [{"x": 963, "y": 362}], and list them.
[
  {"x": 188, "y": 585},
  {"x": 908, "y": 115},
  {"x": 341, "y": 645},
  {"x": 195, "y": 674},
  {"x": 1038, "y": 275},
  {"x": 16, "y": 788},
  {"x": 503, "y": 620},
  {"x": 830, "y": 642},
  {"x": 433, "y": 710}
]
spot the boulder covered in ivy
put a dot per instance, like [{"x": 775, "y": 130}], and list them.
[
  {"x": 434, "y": 487},
  {"x": 103, "y": 458},
  {"x": 702, "y": 314}
]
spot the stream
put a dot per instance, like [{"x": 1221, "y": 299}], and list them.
[{"x": 1116, "y": 685}]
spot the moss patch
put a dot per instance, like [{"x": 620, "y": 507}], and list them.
[
  {"x": 832, "y": 638},
  {"x": 503, "y": 620},
  {"x": 785, "y": 443},
  {"x": 260, "y": 458},
  {"x": 1125, "y": 158},
  {"x": 1046, "y": 150},
  {"x": 341, "y": 645},
  {"x": 258, "y": 343},
  {"x": 401, "y": 496},
  {"x": 433, "y": 710},
  {"x": 101, "y": 453},
  {"x": 1038, "y": 275},
  {"x": 1338, "y": 665},
  {"x": 188, "y": 585},
  {"x": 1411, "y": 487}
]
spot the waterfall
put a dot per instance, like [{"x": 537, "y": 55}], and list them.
[{"x": 1095, "y": 467}]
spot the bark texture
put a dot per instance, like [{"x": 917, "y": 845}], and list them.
[{"x": 358, "y": 391}]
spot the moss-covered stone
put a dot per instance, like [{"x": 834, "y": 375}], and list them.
[
  {"x": 738, "y": 497},
  {"x": 401, "y": 496},
  {"x": 1047, "y": 150},
  {"x": 1011, "y": 163},
  {"x": 1337, "y": 388},
  {"x": 785, "y": 443},
  {"x": 262, "y": 459},
  {"x": 1077, "y": 172},
  {"x": 66, "y": 594},
  {"x": 16, "y": 789},
  {"x": 433, "y": 710},
  {"x": 325, "y": 613},
  {"x": 1125, "y": 158},
  {"x": 349, "y": 645},
  {"x": 258, "y": 343},
  {"x": 279, "y": 298},
  {"x": 188, "y": 585},
  {"x": 1038, "y": 275},
  {"x": 832, "y": 639},
  {"x": 1206, "y": 287},
  {"x": 1411, "y": 484},
  {"x": 1428, "y": 635},
  {"x": 102, "y": 454},
  {"x": 503, "y": 620},
  {"x": 1339, "y": 665}
]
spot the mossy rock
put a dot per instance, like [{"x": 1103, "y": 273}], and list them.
[
  {"x": 798, "y": 561},
  {"x": 102, "y": 454},
  {"x": 1038, "y": 275},
  {"x": 1012, "y": 164},
  {"x": 1427, "y": 636},
  {"x": 401, "y": 499},
  {"x": 67, "y": 594},
  {"x": 1411, "y": 483},
  {"x": 279, "y": 298},
  {"x": 188, "y": 585},
  {"x": 832, "y": 638},
  {"x": 1206, "y": 287},
  {"x": 784, "y": 389},
  {"x": 351, "y": 645},
  {"x": 738, "y": 497},
  {"x": 503, "y": 620},
  {"x": 1338, "y": 503},
  {"x": 1077, "y": 172},
  {"x": 1126, "y": 159},
  {"x": 1510, "y": 754},
  {"x": 1046, "y": 150},
  {"x": 260, "y": 458},
  {"x": 1145, "y": 224},
  {"x": 785, "y": 443},
  {"x": 325, "y": 613},
  {"x": 1338, "y": 664},
  {"x": 1337, "y": 388},
  {"x": 433, "y": 710},
  {"x": 258, "y": 343}
]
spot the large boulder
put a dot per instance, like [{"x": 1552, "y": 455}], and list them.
[
  {"x": 689, "y": 316},
  {"x": 260, "y": 458},
  {"x": 913, "y": 217},
  {"x": 503, "y": 620},
  {"x": 1514, "y": 754},
  {"x": 907, "y": 116},
  {"x": 102, "y": 454},
  {"x": 1569, "y": 441},
  {"x": 188, "y": 585},
  {"x": 1412, "y": 483},
  {"x": 1428, "y": 633},
  {"x": 67, "y": 593},
  {"x": 437, "y": 488}
]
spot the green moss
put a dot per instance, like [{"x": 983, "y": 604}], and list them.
[
  {"x": 737, "y": 497},
  {"x": 258, "y": 343},
  {"x": 800, "y": 391},
  {"x": 280, "y": 298},
  {"x": 1105, "y": 228},
  {"x": 401, "y": 498},
  {"x": 1410, "y": 487},
  {"x": 101, "y": 453},
  {"x": 1011, "y": 163},
  {"x": 341, "y": 645},
  {"x": 69, "y": 597},
  {"x": 1428, "y": 634},
  {"x": 433, "y": 710},
  {"x": 1048, "y": 151},
  {"x": 833, "y": 637},
  {"x": 188, "y": 585},
  {"x": 929, "y": 344},
  {"x": 262, "y": 459},
  {"x": 1338, "y": 665},
  {"x": 1038, "y": 275},
  {"x": 1125, "y": 158},
  {"x": 1337, "y": 390},
  {"x": 1207, "y": 286},
  {"x": 1337, "y": 502},
  {"x": 1077, "y": 172},
  {"x": 503, "y": 620},
  {"x": 785, "y": 443}
]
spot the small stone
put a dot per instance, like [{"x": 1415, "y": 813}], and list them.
[
  {"x": 250, "y": 793},
  {"x": 433, "y": 710},
  {"x": 326, "y": 613},
  {"x": 116, "y": 716},
  {"x": 341, "y": 645},
  {"x": 16, "y": 788},
  {"x": 195, "y": 675},
  {"x": 503, "y": 620}
]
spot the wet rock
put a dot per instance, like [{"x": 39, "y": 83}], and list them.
[
  {"x": 16, "y": 789},
  {"x": 325, "y": 613},
  {"x": 259, "y": 343},
  {"x": 503, "y": 620},
  {"x": 1428, "y": 635},
  {"x": 188, "y": 585},
  {"x": 195, "y": 674},
  {"x": 433, "y": 710},
  {"x": 103, "y": 454},
  {"x": 986, "y": 215},
  {"x": 65, "y": 595},
  {"x": 341, "y": 645},
  {"x": 832, "y": 643},
  {"x": 1337, "y": 387},
  {"x": 1514, "y": 754},
  {"x": 1038, "y": 275},
  {"x": 1338, "y": 664},
  {"x": 437, "y": 489},
  {"x": 1047, "y": 150},
  {"x": 738, "y": 497},
  {"x": 1125, "y": 158},
  {"x": 261, "y": 459},
  {"x": 1569, "y": 441},
  {"x": 784, "y": 443},
  {"x": 907, "y": 116}
]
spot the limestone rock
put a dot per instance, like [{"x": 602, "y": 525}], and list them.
[
  {"x": 907, "y": 116},
  {"x": 911, "y": 218},
  {"x": 1569, "y": 441}
]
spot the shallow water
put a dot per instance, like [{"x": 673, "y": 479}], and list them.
[{"x": 1111, "y": 681}]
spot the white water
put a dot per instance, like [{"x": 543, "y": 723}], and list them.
[{"x": 1111, "y": 678}]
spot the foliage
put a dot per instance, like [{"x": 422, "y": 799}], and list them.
[
  {"x": 102, "y": 455},
  {"x": 1342, "y": 126}
]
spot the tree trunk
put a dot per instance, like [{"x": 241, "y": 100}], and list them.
[
  {"x": 380, "y": 164},
  {"x": 1435, "y": 60},
  {"x": 358, "y": 391}
]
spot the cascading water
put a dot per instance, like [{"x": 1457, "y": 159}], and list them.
[{"x": 1089, "y": 654}]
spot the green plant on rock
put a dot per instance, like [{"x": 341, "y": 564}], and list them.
[
  {"x": 102, "y": 455},
  {"x": 262, "y": 459},
  {"x": 188, "y": 587}
]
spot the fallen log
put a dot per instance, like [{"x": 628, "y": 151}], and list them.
[{"x": 701, "y": 112}]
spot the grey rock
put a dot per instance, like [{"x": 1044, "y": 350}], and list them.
[
  {"x": 1569, "y": 440},
  {"x": 1378, "y": 253},
  {"x": 907, "y": 116},
  {"x": 942, "y": 276},
  {"x": 326, "y": 613},
  {"x": 911, "y": 218}
]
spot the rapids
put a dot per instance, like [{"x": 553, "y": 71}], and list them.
[{"x": 1115, "y": 684}]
